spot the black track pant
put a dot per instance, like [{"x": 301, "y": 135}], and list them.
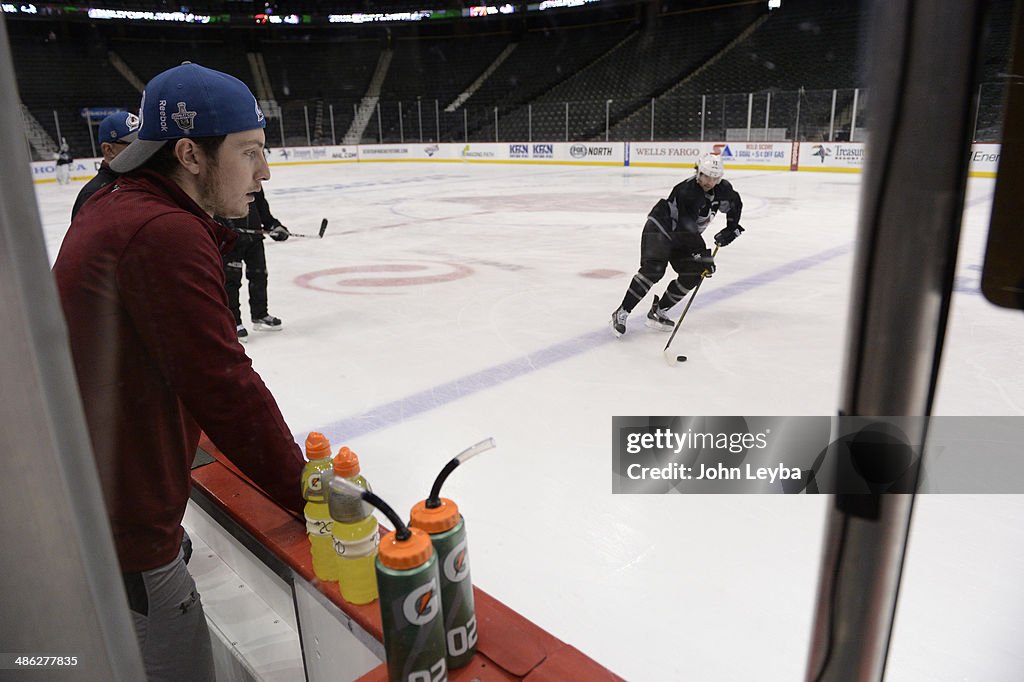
[
  {"x": 658, "y": 250},
  {"x": 248, "y": 250}
]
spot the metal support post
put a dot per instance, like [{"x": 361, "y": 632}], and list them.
[
  {"x": 853, "y": 117},
  {"x": 750, "y": 113},
  {"x": 922, "y": 80},
  {"x": 703, "y": 108},
  {"x": 832, "y": 119},
  {"x": 652, "y": 119}
]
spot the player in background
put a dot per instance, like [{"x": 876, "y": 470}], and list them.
[
  {"x": 64, "y": 160},
  {"x": 673, "y": 235},
  {"x": 248, "y": 250},
  {"x": 117, "y": 131}
]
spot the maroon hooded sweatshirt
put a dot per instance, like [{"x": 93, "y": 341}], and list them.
[{"x": 141, "y": 281}]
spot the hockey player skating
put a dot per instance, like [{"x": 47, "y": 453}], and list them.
[
  {"x": 64, "y": 160},
  {"x": 673, "y": 236},
  {"x": 248, "y": 250}
]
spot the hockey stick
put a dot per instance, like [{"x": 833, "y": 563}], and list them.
[
  {"x": 265, "y": 233},
  {"x": 673, "y": 359}
]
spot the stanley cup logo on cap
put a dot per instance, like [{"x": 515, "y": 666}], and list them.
[{"x": 184, "y": 117}]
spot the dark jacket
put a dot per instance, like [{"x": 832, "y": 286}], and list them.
[
  {"x": 141, "y": 282},
  {"x": 104, "y": 177}
]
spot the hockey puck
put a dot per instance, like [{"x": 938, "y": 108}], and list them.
[{"x": 680, "y": 358}]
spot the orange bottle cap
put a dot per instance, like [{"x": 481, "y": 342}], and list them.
[
  {"x": 401, "y": 555},
  {"x": 436, "y": 520},
  {"x": 317, "y": 446},
  {"x": 346, "y": 463}
]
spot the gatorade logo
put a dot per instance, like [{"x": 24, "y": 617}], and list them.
[
  {"x": 421, "y": 605},
  {"x": 456, "y": 564}
]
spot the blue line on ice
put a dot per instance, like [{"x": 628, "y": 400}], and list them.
[{"x": 390, "y": 414}]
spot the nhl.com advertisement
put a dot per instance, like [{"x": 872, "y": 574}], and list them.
[{"x": 838, "y": 455}]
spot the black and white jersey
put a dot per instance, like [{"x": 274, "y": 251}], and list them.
[{"x": 690, "y": 209}]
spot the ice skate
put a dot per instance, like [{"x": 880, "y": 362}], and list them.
[
  {"x": 657, "y": 319},
  {"x": 618, "y": 322},
  {"x": 267, "y": 323}
]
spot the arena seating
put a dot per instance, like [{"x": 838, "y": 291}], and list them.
[{"x": 697, "y": 70}]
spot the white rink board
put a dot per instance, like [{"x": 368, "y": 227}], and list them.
[
  {"x": 574, "y": 153},
  {"x": 984, "y": 160},
  {"x": 736, "y": 155},
  {"x": 842, "y": 157},
  {"x": 831, "y": 156},
  {"x": 666, "y": 154},
  {"x": 277, "y": 156}
]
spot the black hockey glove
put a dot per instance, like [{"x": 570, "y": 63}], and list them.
[
  {"x": 705, "y": 258},
  {"x": 726, "y": 236},
  {"x": 279, "y": 233}
]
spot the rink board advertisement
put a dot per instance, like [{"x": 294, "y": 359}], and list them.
[
  {"x": 284, "y": 156},
  {"x": 754, "y": 155},
  {"x": 81, "y": 169},
  {"x": 843, "y": 157},
  {"x": 984, "y": 160},
  {"x": 666, "y": 154},
  {"x": 408, "y": 152},
  {"x": 835, "y": 157},
  {"x": 736, "y": 155},
  {"x": 573, "y": 153},
  {"x": 833, "y": 455}
]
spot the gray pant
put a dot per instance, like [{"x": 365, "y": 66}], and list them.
[{"x": 169, "y": 622}]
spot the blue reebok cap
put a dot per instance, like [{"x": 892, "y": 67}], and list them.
[
  {"x": 189, "y": 101},
  {"x": 122, "y": 126}
]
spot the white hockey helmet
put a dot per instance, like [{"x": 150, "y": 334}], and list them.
[{"x": 711, "y": 165}]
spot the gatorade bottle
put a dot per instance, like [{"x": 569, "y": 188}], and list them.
[
  {"x": 410, "y": 607},
  {"x": 315, "y": 477},
  {"x": 355, "y": 531},
  {"x": 447, "y": 531},
  {"x": 440, "y": 517}
]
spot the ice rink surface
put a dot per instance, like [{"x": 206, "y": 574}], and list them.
[{"x": 449, "y": 303}]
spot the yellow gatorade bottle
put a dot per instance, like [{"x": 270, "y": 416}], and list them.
[
  {"x": 355, "y": 531},
  {"x": 316, "y": 477}
]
